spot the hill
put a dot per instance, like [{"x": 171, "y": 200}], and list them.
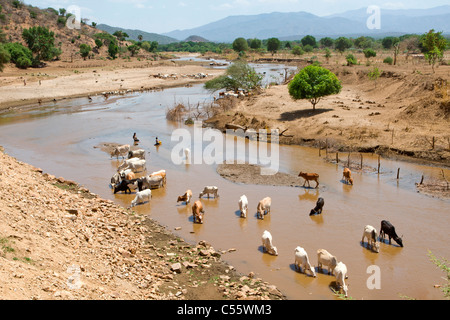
[
  {"x": 15, "y": 19},
  {"x": 295, "y": 25},
  {"x": 196, "y": 39},
  {"x": 134, "y": 34}
]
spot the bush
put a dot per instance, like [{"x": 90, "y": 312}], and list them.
[
  {"x": 351, "y": 60},
  {"x": 23, "y": 63},
  {"x": 4, "y": 56},
  {"x": 388, "y": 60},
  {"x": 20, "y": 55},
  {"x": 61, "y": 21},
  {"x": 369, "y": 53},
  {"x": 308, "y": 48},
  {"x": 297, "y": 50}
]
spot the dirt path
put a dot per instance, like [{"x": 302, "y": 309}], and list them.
[{"x": 60, "y": 241}]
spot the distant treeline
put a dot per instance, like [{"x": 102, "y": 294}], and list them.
[{"x": 408, "y": 42}]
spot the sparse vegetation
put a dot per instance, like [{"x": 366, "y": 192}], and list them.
[
  {"x": 4, "y": 57},
  {"x": 351, "y": 60},
  {"x": 445, "y": 267}
]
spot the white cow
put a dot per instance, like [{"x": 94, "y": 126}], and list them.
[
  {"x": 125, "y": 164},
  {"x": 210, "y": 190},
  {"x": 267, "y": 244},
  {"x": 264, "y": 207},
  {"x": 341, "y": 275},
  {"x": 141, "y": 196},
  {"x": 371, "y": 234},
  {"x": 149, "y": 182},
  {"x": 243, "y": 206},
  {"x": 302, "y": 261},
  {"x": 120, "y": 151},
  {"x": 324, "y": 258},
  {"x": 137, "y": 166}
]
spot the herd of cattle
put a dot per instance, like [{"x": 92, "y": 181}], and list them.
[{"x": 125, "y": 181}]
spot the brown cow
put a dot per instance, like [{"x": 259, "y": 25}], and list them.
[
  {"x": 197, "y": 211},
  {"x": 347, "y": 176},
  {"x": 186, "y": 197},
  {"x": 308, "y": 177},
  {"x": 264, "y": 207}
]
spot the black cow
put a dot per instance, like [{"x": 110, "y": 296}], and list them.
[
  {"x": 123, "y": 186},
  {"x": 318, "y": 208},
  {"x": 389, "y": 229}
]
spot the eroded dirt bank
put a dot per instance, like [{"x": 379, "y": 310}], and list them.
[
  {"x": 403, "y": 115},
  {"x": 60, "y": 241}
]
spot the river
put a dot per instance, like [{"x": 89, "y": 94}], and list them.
[{"x": 62, "y": 139}]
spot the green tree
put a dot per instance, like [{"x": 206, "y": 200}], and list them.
[
  {"x": 363, "y": 42},
  {"x": 433, "y": 44},
  {"x": 342, "y": 43},
  {"x": 4, "y": 57},
  {"x": 369, "y": 53},
  {"x": 153, "y": 46},
  {"x": 255, "y": 44},
  {"x": 113, "y": 50},
  {"x": 309, "y": 40},
  {"x": 326, "y": 42},
  {"x": 388, "y": 42},
  {"x": 98, "y": 43},
  {"x": 85, "y": 50},
  {"x": 237, "y": 76},
  {"x": 240, "y": 44},
  {"x": 41, "y": 42},
  {"x": 134, "y": 49},
  {"x": 313, "y": 83},
  {"x": 120, "y": 35},
  {"x": 62, "y": 12},
  {"x": 273, "y": 45}
]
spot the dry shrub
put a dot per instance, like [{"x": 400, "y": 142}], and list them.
[{"x": 176, "y": 113}]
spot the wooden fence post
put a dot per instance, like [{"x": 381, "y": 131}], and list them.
[{"x": 379, "y": 162}]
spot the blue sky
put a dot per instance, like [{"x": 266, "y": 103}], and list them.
[{"x": 160, "y": 16}]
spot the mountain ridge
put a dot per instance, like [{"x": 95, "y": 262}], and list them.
[
  {"x": 134, "y": 33},
  {"x": 299, "y": 24}
]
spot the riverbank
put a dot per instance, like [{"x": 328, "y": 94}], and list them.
[
  {"x": 59, "y": 241},
  {"x": 64, "y": 80},
  {"x": 403, "y": 116}
]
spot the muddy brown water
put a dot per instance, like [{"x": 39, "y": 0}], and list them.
[{"x": 62, "y": 139}]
